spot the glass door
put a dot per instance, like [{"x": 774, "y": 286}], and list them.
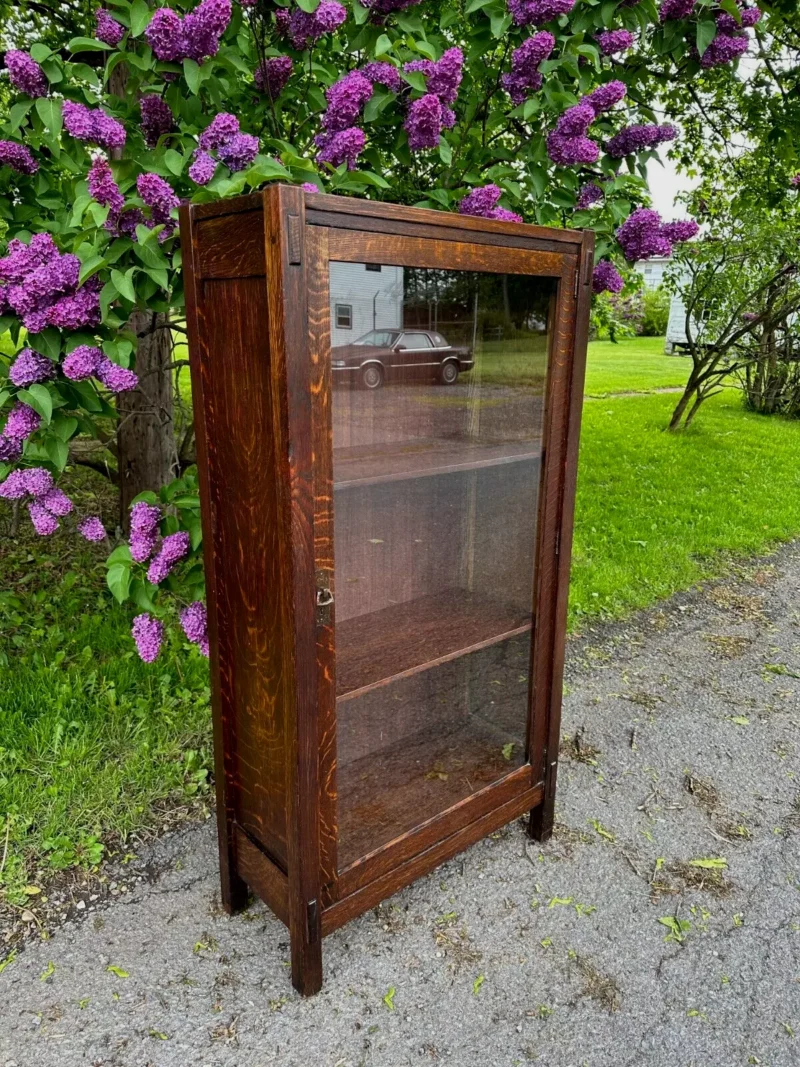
[{"x": 438, "y": 391}]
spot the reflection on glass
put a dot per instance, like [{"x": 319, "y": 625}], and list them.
[{"x": 438, "y": 407}]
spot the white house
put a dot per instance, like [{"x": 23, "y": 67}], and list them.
[
  {"x": 652, "y": 270},
  {"x": 364, "y": 296}
]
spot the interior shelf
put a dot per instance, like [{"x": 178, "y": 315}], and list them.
[
  {"x": 384, "y": 796},
  {"x": 371, "y": 465},
  {"x": 429, "y": 631}
]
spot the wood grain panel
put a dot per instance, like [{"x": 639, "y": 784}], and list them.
[
  {"x": 232, "y": 246},
  {"x": 263, "y": 876},
  {"x": 360, "y": 247}
]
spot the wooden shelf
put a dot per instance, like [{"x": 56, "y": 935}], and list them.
[
  {"x": 427, "y": 632},
  {"x": 390, "y": 463},
  {"x": 385, "y": 795}
]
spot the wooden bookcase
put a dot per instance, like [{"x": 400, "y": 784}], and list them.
[{"x": 387, "y": 549}]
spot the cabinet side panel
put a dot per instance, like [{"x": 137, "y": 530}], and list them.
[{"x": 234, "y": 363}]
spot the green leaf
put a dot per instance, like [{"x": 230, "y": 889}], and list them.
[
  {"x": 388, "y": 999},
  {"x": 309, "y": 6},
  {"x": 191, "y": 72},
  {"x": 500, "y": 23},
  {"x": 140, "y": 17},
  {"x": 118, "y": 971},
  {"x": 87, "y": 44},
  {"x": 58, "y": 451},
  {"x": 474, "y": 5},
  {"x": 194, "y": 526},
  {"x": 140, "y": 594},
  {"x": 710, "y": 863},
  {"x": 118, "y": 580},
  {"x": 159, "y": 276},
  {"x": 370, "y": 178},
  {"x": 174, "y": 160},
  {"x": 415, "y": 79},
  {"x": 360, "y": 13},
  {"x": 121, "y": 554},
  {"x": 49, "y": 111},
  {"x": 124, "y": 283},
  {"x": 38, "y": 397},
  {"x": 265, "y": 169},
  {"x": 382, "y": 46},
  {"x": 18, "y": 113},
  {"x": 445, "y": 152},
  {"x": 732, "y": 8},
  {"x": 148, "y": 496},
  {"x": 90, "y": 267},
  {"x": 64, "y": 426},
  {"x": 40, "y": 52},
  {"x": 706, "y": 32}
]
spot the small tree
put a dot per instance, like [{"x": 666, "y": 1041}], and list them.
[{"x": 741, "y": 290}]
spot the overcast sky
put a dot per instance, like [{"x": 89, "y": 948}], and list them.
[{"x": 665, "y": 184}]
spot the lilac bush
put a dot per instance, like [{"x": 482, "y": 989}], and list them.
[{"x": 519, "y": 110}]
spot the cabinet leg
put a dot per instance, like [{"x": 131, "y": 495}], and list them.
[
  {"x": 233, "y": 890},
  {"x": 540, "y": 824},
  {"x": 306, "y": 945}
]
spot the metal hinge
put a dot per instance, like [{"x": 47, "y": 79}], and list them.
[
  {"x": 558, "y": 542},
  {"x": 323, "y": 599},
  {"x": 577, "y": 281}
]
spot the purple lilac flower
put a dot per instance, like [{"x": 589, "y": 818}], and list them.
[
  {"x": 14, "y": 488},
  {"x": 575, "y": 121},
  {"x": 109, "y": 31},
  {"x": 92, "y": 528},
  {"x": 22, "y": 259},
  {"x": 157, "y": 118},
  {"x": 158, "y": 195},
  {"x": 164, "y": 34},
  {"x": 795, "y": 180},
  {"x": 44, "y": 522},
  {"x": 643, "y": 234},
  {"x": 43, "y": 285},
  {"x": 203, "y": 28},
  {"x": 221, "y": 128},
  {"x": 22, "y": 421},
  {"x": 94, "y": 126},
  {"x": 606, "y": 96},
  {"x": 116, "y": 378},
  {"x": 725, "y": 49},
  {"x": 142, "y": 546},
  {"x": 195, "y": 625},
  {"x": 309, "y": 187},
  {"x": 145, "y": 518},
  {"x": 342, "y": 147},
  {"x": 346, "y": 98},
  {"x": 445, "y": 77},
  {"x": 727, "y": 23},
  {"x": 424, "y": 123},
  {"x": 239, "y": 152},
  {"x": 148, "y": 633},
  {"x": 538, "y": 12},
  {"x": 633, "y": 139},
  {"x": 606, "y": 278},
  {"x": 25, "y": 74},
  {"x": 128, "y": 221},
  {"x": 38, "y": 481},
  {"x": 588, "y": 195},
  {"x": 524, "y": 77},
  {"x": 483, "y": 203},
  {"x": 173, "y": 549},
  {"x": 384, "y": 74},
  {"x": 56, "y": 501},
  {"x": 612, "y": 42},
  {"x": 749, "y": 316},
  {"x": 18, "y": 156},
  {"x": 569, "y": 151},
  {"x": 678, "y": 232},
  {"x": 195, "y": 36},
  {"x": 105, "y": 190},
  {"x": 10, "y": 450},
  {"x": 81, "y": 309},
  {"x": 303, "y": 28},
  {"x": 273, "y": 74},
  {"x": 30, "y": 367},
  {"x": 202, "y": 169},
  {"x": 675, "y": 9}
]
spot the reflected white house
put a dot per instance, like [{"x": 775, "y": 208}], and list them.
[{"x": 364, "y": 296}]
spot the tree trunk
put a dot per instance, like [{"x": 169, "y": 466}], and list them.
[
  {"x": 683, "y": 403},
  {"x": 146, "y": 452}
]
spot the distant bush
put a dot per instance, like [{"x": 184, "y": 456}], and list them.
[{"x": 655, "y": 312}]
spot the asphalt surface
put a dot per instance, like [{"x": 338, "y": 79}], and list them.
[{"x": 606, "y": 947}]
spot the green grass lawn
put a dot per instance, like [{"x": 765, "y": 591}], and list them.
[
  {"x": 95, "y": 745},
  {"x": 638, "y": 365}
]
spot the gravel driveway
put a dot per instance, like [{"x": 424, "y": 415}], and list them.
[{"x": 660, "y": 928}]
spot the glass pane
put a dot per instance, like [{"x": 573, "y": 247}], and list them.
[{"x": 438, "y": 407}]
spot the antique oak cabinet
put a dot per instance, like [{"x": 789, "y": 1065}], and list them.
[{"x": 387, "y": 406}]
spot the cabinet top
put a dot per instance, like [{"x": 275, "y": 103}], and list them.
[{"x": 324, "y": 207}]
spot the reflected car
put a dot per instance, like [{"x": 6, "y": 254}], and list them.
[{"x": 382, "y": 355}]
